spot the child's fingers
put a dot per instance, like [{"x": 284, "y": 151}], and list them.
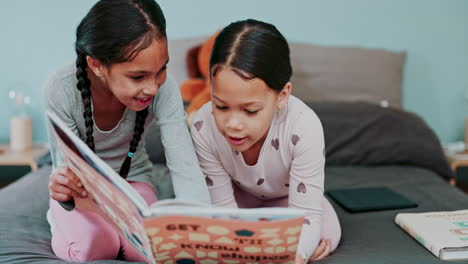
[
  {"x": 61, "y": 193},
  {"x": 72, "y": 176},
  {"x": 74, "y": 182},
  {"x": 62, "y": 180},
  {"x": 65, "y": 180},
  {"x": 81, "y": 192},
  {"x": 64, "y": 190},
  {"x": 319, "y": 250},
  {"x": 327, "y": 250},
  {"x": 299, "y": 259},
  {"x": 59, "y": 197},
  {"x": 66, "y": 171}
]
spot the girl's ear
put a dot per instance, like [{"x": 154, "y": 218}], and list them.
[
  {"x": 284, "y": 95},
  {"x": 96, "y": 66}
]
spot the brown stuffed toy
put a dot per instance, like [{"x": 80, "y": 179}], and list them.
[{"x": 196, "y": 90}]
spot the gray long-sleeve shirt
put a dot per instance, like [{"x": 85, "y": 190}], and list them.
[{"x": 63, "y": 98}]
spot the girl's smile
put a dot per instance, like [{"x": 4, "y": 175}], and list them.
[{"x": 143, "y": 102}]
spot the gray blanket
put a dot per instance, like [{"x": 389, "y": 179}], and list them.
[
  {"x": 373, "y": 237},
  {"x": 367, "y": 237}
]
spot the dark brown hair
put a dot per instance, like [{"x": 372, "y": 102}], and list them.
[
  {"x": 115, "y": 31},
  {"x": 254, "y": 49}
]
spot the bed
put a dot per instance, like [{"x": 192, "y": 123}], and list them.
[{"x": 366, "y": 145}]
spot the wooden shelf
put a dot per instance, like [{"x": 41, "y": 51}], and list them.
[{"x": 28, "y": 157}]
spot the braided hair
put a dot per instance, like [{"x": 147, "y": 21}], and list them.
[
  {"x": 83, "y": 86},
  {"x": 115, "y": 31}
]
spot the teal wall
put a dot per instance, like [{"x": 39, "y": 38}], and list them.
[{"x": 37, "y": 37}]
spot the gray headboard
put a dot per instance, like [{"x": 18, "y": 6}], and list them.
[{"x": 325, "y": 73}]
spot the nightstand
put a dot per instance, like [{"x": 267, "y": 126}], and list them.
[
  {"x": 458, "y": 161},
  {"x": 28, "y": 158}
]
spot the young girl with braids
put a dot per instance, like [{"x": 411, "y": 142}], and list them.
[
  {"x": 258, "y": 145},
  {"x": 117, "y": 88}
]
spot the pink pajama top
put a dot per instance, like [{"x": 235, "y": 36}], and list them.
[{"x": 290, "y": 165}]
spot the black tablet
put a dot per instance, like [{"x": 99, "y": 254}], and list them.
[{"x": 370, "y": 199}]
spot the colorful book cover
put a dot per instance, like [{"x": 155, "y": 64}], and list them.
[
  {"x": 193, "y": 240},
  {"x": 445, "y": 234},
  {"x": 179, "y": 232}
]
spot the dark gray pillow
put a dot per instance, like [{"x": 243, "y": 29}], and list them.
[{"x": 368, "y": 134}]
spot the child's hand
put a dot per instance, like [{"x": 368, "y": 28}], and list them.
[
  {"x": 299, "y": 259},
  {"x": 322, "y": 251},
  {"x": 63, "y": 185}
]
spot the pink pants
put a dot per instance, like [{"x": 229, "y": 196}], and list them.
[{"x": 81, "y": 236}]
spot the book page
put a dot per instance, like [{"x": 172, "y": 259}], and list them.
[
  {"x": 105, "y": 190},
  {"x": 182, "y": 208},
  {"x": 174, "y": 202},
  {"x": 75, "y": 144}
]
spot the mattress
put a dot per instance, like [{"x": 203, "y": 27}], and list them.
[{"x": 373, "y": 237}]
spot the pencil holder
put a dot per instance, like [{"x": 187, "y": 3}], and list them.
[
  {"x": 20, "y": 123},
  {"x": 20, "y": 133}
]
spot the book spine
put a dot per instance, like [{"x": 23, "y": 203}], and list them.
[{"x": 418, "y": 236}]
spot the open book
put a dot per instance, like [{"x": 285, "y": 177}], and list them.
[
  {"x": 174, "y": 231},
  {"x": 445, "y": 234}
]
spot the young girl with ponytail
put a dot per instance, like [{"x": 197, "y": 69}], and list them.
[
  {"x": 117, "y": 87},
  {"x": 258, "y": 145}
]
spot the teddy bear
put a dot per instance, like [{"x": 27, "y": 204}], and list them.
[{"x": 196, "y": 90}]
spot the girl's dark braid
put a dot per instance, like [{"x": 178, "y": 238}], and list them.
[
  {"x": 138, "y": 131},
  {"x": 84, "y": 86}
]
